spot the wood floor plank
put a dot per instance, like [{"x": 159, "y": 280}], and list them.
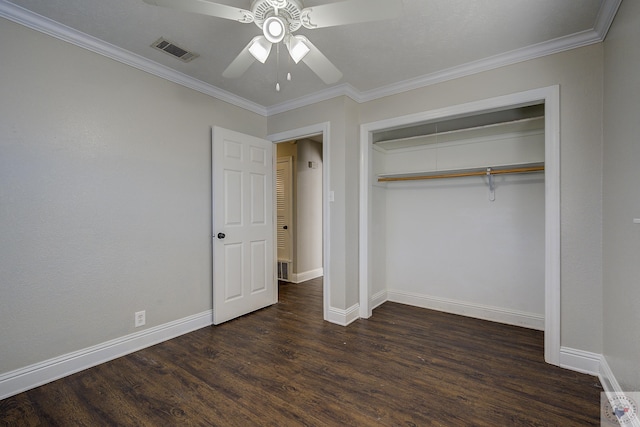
[{"x": 285, "y": 366}]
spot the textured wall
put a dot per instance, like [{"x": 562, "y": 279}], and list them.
[
  {"x": 309, "y": 207},
  {"x": 105, "y": 202},
  {"x": 622, "y": 197}
]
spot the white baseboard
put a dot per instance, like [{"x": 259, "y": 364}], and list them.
[
  {"x": 577, "y": 360},
  {"x": 343, "y": 317},
  {"x": 607, "y": 379},
  {"x": 613, "y": 390},
  {"x": 580, "y": 360},
  {"x": 378, "y": 299},
  {"x": 23, "y": 379},
  {"x": 479, "y": 311},
  {"x": 307, "y": 275}
]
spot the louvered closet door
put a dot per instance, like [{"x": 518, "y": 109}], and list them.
[{"x": 284, "y": 197}]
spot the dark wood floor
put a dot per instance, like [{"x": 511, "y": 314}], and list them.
[{"x": 284, "y": 366}]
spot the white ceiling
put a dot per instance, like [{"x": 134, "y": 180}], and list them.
[{"x": 433, "y": 39}]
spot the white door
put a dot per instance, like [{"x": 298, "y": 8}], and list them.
[
  {"x": 284, "y": 207},
  {"x": 243, "y": 228}
]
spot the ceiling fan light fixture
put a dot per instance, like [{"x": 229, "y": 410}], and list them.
[
  {"x": 297, "y": 49},
  {"x": 260, "y": 49},
  {"x": 274, "y": 29}
]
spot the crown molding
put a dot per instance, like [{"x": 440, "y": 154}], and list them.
[
  {"x": 607, "y": 12},
  {"x": 55, "y": 29},
  {"x": 604, "y": 19},
  {"x": 45, "y": 25},
  {"x": 508, "y": 58},
  {"x": 344, "y": 89}
]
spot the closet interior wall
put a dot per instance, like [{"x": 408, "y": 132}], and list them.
[{"x": 443, "y": 243}]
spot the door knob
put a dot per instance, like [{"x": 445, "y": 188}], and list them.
[
  {"x": 285, "y": 227},
  {"x": 221, "y": 235}
]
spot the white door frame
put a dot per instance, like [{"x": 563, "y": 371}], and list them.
[
  {"x": 550, "y": 96},
  {"x": 300, "y": 133}
]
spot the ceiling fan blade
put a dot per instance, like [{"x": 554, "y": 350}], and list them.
[
  {"x": 206, "y": 8},
  {"x": 319, "y": 64},
  {"x": 350, "y": 12},
  {"x": 242, "y": 62}
]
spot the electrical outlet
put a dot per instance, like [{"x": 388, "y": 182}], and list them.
[{"x": 140, "y": 318}]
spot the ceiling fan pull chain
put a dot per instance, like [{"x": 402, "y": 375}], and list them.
[
  {"x": 288, "y": 60},
  {"x": 278, "y": 67}
]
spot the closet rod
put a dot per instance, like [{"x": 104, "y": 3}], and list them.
[{"x": 488, "y": 171}]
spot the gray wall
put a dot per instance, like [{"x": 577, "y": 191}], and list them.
[
  {"x": 309, "y": 207},
  {"x": 105, "y": 201},
  {"x": 622, "y": 197}
]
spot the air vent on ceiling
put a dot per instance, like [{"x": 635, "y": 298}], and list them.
[{"x": 173, "y": 50}]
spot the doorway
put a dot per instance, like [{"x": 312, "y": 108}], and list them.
[
  {"x": 299, "y": 209},
  {"x": 309, "y": 224}
]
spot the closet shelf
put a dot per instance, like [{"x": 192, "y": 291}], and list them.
[{"x": 458, "y": 173}]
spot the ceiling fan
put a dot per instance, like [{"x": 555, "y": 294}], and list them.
[{"x": 279, "y": 19}]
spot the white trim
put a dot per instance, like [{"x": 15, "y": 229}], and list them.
[
  {"x": 343, "y": 317},
  {"x": 551, "y": 98},
  {"x": 552, "y": 282},
  {"x": 323, "y": 95},
  {"x": 19, "y": 380},
  {"x": 609, "y": 382},
  {"x": 607, "y": 12},
  {"x": 612, "y": 387},
  {"x": 45, "y": 25},
  {"x": 582, "y": 361},
  {"x": 323, "y": 128},
  {"x": 465, "y": 308},
  {"x": 378, "y": 299},
  {"x": 307, "y": 275},
  {"x": 365, "y": 213},
  {"x": 550, "y": 47},
  {"x": 62, "y": 32}
]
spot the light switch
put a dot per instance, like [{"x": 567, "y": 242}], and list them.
[
  {"x": 331, "y": 196},
  {"x": 636, "y": 220}
]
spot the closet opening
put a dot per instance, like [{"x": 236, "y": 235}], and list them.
[{"x": 464, "y": 206}]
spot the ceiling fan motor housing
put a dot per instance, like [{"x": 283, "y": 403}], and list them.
[{"x": 288, "y": 10}]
